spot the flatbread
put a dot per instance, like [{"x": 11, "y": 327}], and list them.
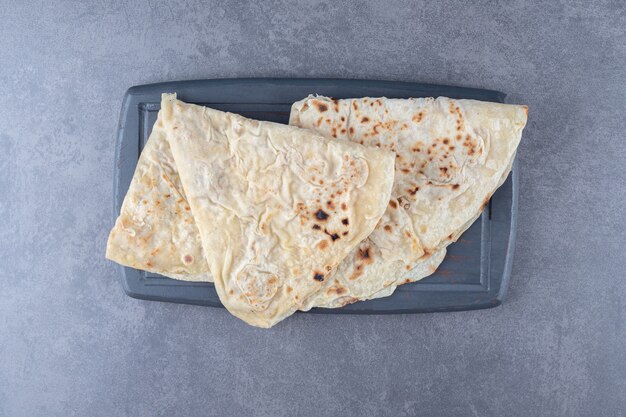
[
  {"x": 451, "y": 156},
  {"x": 277, "y": 207},
  {"x": 150, "y": 221},
  {"x": 155, "y": 230}
]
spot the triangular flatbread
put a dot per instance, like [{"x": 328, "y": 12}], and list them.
[
  {"x": 155, "y": 230},
  {"x": 451, "y": 156},
  {"x": 277, "y": 207}
]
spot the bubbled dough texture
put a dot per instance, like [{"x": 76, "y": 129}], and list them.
[
  {"x": 451, "y": 155},
  {"x": 277, "y": 207}
]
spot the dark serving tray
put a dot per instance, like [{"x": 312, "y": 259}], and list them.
[{"x": 476, "y": 270}]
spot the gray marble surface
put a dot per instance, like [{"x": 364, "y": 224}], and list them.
[{"x": 71, "y": 342}]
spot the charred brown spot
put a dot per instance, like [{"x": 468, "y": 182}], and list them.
[
  {"x": 343, "y": 130},
  {"x": 321, "y": 107},
  {"x": 340, "y": 290},
  {"x": 347, "y": 301},
  {"x": 405, "y": 170},
  {"x": 455, "y": 186},
  {"x": 450, "y": 236},
  {"x": 343, "y": 119},
  {"x": 393, "y": 204},
  {"x": 345, "y": 221},
  {"x": 407, "y": 280},
  {"x": 413, "y": 191},
  {"x": 443, "y": 169},
  {"x": 321, "y": 215},
  {"x": 319, "y": 121},
  {"x": 364, "y": 253},
  {"x": 323, "y": 244},
  {"x": 354, "y": 105},
  {"x": 289, "y": 289},
  {"x": 316, "y": 227},
  {"x": 357, "y": 273},
  {"x": 351, "y": 130},
  {"x": 344, "y": 207},
  {"x": 318, "y": 277},
  {"x": 333, "y": 236},
  {"x": 231, "y": 292},
  {"x": 387, "y": 228},
  {"x": 418, "y": 117},
  {"x": 365, "y": 119},
  {"x": 345, "y": 233},
  {"x": 330, "y": 204},
  {"x": 149, "y": 264},
  {"x": 446, "y": 141},
  {"x": 452, "y": 147}
]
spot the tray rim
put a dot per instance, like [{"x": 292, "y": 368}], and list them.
[{"x": 133, "y": 94}]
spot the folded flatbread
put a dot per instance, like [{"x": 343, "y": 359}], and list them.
[
  {"x": 451, "y": 156},
  {"x": 155, "y": 230},
  {"x": 277, "y": 207},
  {"x": 157, "y": 233}
]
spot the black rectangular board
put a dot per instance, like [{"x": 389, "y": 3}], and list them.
[{"x": 477, "y": 268}]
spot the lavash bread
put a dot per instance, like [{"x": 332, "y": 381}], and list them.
[
  {"x": 155, "y": 230},
  {"x": 451, "y": 156},
  {"x": 277, "y": 207}
]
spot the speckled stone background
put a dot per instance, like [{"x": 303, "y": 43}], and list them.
[{"x": 71, "y": 342}]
